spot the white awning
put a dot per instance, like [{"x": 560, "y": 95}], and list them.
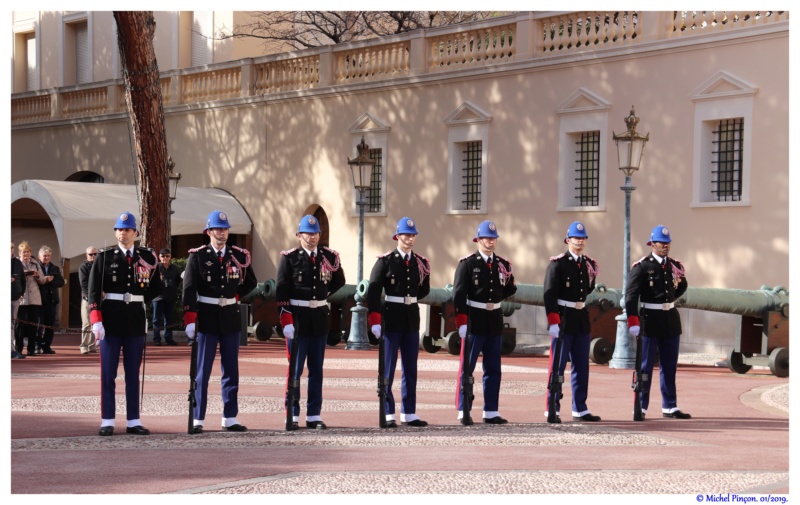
[{"x": 84, "y": 213}]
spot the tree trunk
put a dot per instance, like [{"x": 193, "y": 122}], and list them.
[{"x": 146, "y": 119}]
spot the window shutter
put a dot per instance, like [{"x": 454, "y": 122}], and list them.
[
  {"x": 83, "y": 63},
  {"x": 201, "y": 42},
  {"x": 32, "y": 76}
]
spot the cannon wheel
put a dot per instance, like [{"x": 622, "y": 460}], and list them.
[
  {"x": 508, "y": 345},
  {"x": 736, "y": 362},
  {"x": 453, "y": 343},
  {"x": 779, "y": 362},
  {"x": 334, "y": 337},
  {"x": 427, "y": 344},
  {"x": 601, "y": 350},
  {"x": 262, "y": 331},
  {"x": 279, "y": 331}
]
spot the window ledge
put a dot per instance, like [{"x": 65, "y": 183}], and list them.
[
  {"x": 699, "y": 205},
  {"x": 593, "y": 208},
  {"x": 465, "y": 212}
]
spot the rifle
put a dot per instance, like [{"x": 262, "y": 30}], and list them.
[
  {"x": 639, "y": 378},
  {"x": 292, "y": 386},
  {"x": 555, "y": 380},
  {"x": 467, "y": 380},
  {"x": 192, "y": 385},
  {"x": 382, "y": 380}
]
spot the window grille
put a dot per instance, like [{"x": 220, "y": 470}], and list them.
[
  {"x": 472, "y": 176},
  {"x": 726, "y": 178},
  {"x": 588, "y": 169},
  {"x": 374, "y": 193}
]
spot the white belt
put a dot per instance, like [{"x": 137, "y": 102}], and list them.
[
  {"x": 308, "y": 303},
  {"x": 406, "y": 300},
  {"x": 216, "y": 301},
  {"x": 484, "y": 306},
  {"x": 572, "y": 305},
  {"x": 659, "y": 306},
  {"x": 124, "y": 297}
]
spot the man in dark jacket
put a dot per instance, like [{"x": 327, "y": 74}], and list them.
[
  {"x": 50, "y": 299},
  {"x": 87, "y": 339},
  {"x": 17, "y": 288},
  {"x": 123, "y": 279},
  {"x": 654, "y": 283},
  {"x": 164, "y": 304},
  {"x": 216, "y": 276},
  {"x": 482, "y": 281}
]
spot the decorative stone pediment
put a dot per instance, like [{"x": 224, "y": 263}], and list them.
[
  {"x": 466, "y": 113},
  {"x": 368, "y": 123},
  {"x": 582, "y": 100},
  {"x": 722, "y": 85}
]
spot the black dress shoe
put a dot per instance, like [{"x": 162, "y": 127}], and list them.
[
  {"x": 235, "y": 427},
  {"x": 157, "y": 342},
  {"x": 48, "y": 351},
  {"x": 106, "y": 431},
  {"x": 316, "y": 425},
  {"x": 196, "y": 430},
  {"x": 586, "y": 417},
  {"x": 466, "y": 421},
  {"x": 557, "y": 421},
  {"x": 391, "y": 424},
  {"x": 678, "y": 415},
  {"x": 494, "y": 420},
  {"x": 137, "y": 430},
  {"x": 417, "y": 423},
  {"x": 171, "y": 342}
]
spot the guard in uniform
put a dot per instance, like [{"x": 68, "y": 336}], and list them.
[
  {"x": 307, "y": 276},
  {"x": 404, "y": 276},
  {"x": 654, "y": 283},
  {"x": 216, "y": 276},
  {"x": 569, "y": 279},
  {"x": 483, "y": 280},
  {"x": 122, "y": 280}
]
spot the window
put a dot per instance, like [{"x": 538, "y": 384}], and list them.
[
  {"x": 376, "y": 135},
  {"x": 583, "y": 128},
  {"x": 468, "y": 145},
  {"x": 721, "y": 156},
  {"x": 472, "y": 175},
  {"x": 373, "y": 197},
  {"x": 727, "y": 178},
  {"x": 587, "y": 171},
  {"x": 77, "y": 49},
  {"x": 202, "y": 31},
  {"x": 32, "y": 68}
]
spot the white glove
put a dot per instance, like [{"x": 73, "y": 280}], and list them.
[
  {"x": 99, "y": 331},
  {"x": 190, "y": 331},
  {"x": 553, "y": 331},
  {"x": 462, "y": 331},
  {"x": 288, "y": 331},
  {"x": 634, "y": 331},
  {"x": 376, "y": 330}
]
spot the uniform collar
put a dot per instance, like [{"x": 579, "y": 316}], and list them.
[
  {"x": 658, "y": 258},
  {"x": 217, "y": 251},
  {"x": 125, "y": 251},
  {"x": 315, "y": 251},
  {"x": 574, "y": 256},
  {"x": 485, "y": 257},
  {"x": 402, "y": 254}
]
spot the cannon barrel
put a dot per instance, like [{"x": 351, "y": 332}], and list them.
[
  {"x": 736, "y": 301},
  {"x": 265, "y": 290}
]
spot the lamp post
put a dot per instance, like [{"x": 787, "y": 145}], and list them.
[
  {"x": 630, "y": 146},
  {"x": 172, "y": 182},
  {"x": 361, "y": 168}
]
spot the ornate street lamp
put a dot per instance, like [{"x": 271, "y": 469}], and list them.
[
  {"x": 173, "y": 180},
  {"x": 361, "y": 167},
  {"x": 630, "y": 147}
]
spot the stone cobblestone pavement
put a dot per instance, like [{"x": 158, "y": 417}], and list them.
[{"x": 736, "y": 443}]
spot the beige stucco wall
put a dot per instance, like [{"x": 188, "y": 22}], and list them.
[{"x": 278, "y": 156}]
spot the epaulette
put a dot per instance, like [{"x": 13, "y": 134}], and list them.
[
  {"x": 640, "y": 260},
  {"x": 679, "y": 262},
  {"x": 240, "y": 249},
  {"x": 330, "y": 251},
  {"x": 590, "y": 259},
  {"x": 197, "y": 249},
  {"x": 142, "y": 248},
  {"x": 386, "y": 254},
  {"x": 106, "y": 249},
  {"x": 426, "y": 260},
  {"x": 502, "y": 259},
  {"x": 288, "y": 252},
  {"x": 465, "y": 257},
  {"x": 553, "y": 258}
]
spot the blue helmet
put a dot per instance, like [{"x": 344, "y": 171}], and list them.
[
  {"x": 126, "y": 220},
  {"x": 576, "y": 229},
  {"x": 486, "y": 229},
  {"x": 660, "y": 234},
  {"x": 217, "y": 219},
  {"x": 309, "y": 224},
  {"x": 407, "y": 226}
]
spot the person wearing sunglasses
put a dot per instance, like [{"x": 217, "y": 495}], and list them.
[{"x": 87, "y": 338}]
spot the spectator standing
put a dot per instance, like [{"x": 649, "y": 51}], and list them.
[
  {"x": 164, "y": 304},
  {"x": 87, "y": 339},
  {"x": 17, "y": 288},
  {"x": 53, "y": 281},
  {"x": 30, "y": 305}
]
